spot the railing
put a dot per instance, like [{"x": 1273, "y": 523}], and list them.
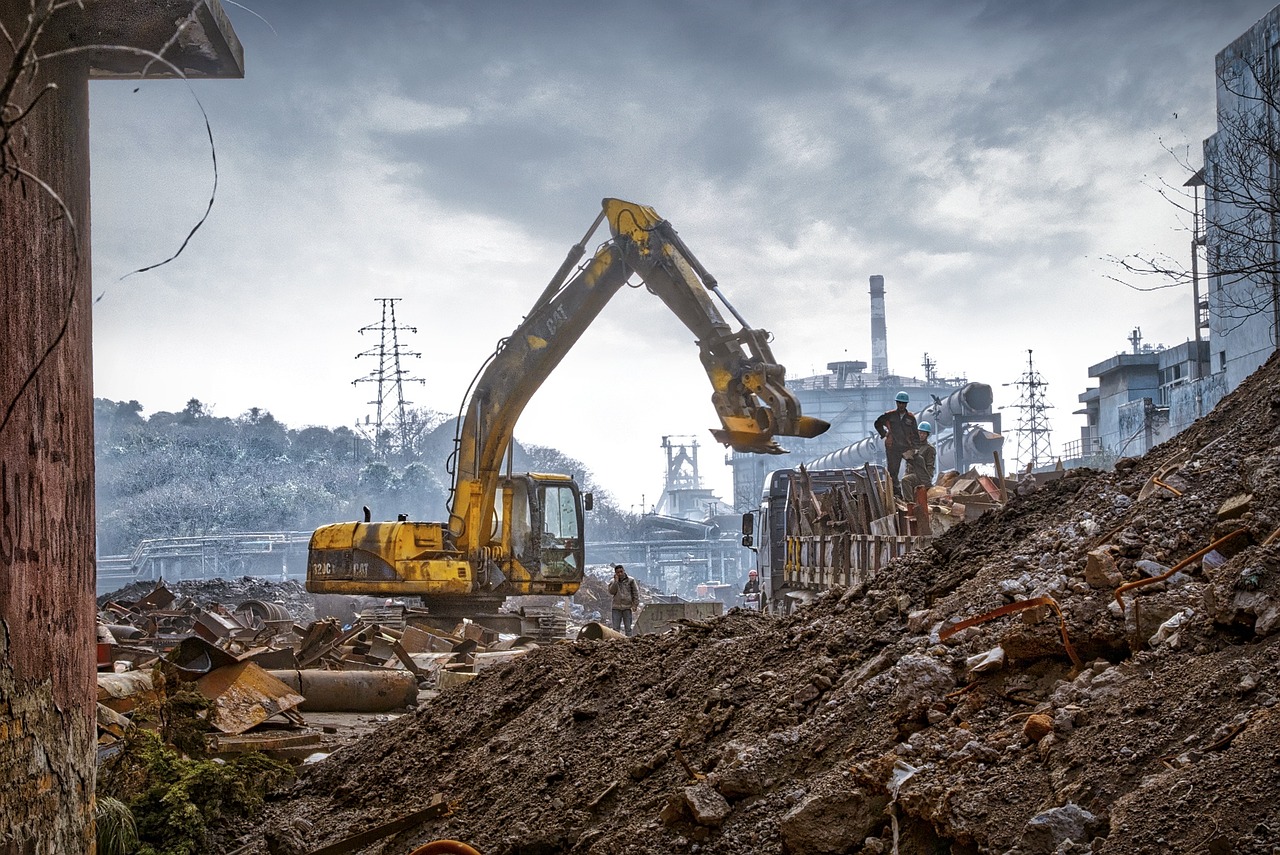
[
  {"x": 202, "y": 557},
  {"x": 1081, "y": 448},
  {"x": 825, "y": 561}
]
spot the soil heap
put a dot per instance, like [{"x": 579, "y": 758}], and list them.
[{"x": 862, "y": 725}]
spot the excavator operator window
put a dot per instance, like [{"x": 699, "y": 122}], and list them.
[{"x": 562, "y": 534}]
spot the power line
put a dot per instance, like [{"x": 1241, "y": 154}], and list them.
[{"x": 389, "y": 430}]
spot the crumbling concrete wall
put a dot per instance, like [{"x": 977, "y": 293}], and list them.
[{"x": 47, "y": 663}]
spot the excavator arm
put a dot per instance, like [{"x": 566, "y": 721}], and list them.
[{"x": 748, "y": 389}]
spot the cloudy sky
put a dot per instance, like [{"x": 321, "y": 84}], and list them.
[{"x": 984, "y": 157}]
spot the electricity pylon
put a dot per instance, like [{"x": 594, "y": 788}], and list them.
[{"x": 389, "y": 378}]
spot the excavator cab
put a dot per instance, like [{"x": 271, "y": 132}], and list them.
[{"x": 545, "y": 534}]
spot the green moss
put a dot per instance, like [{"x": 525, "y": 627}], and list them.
[
  {"x": 174, "y": 792},
  {"x": 178, "y": 798}
]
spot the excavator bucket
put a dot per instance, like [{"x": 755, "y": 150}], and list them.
[{"x": 763, "y": 442}]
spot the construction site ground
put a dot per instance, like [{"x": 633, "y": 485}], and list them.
[{"x": 855, "y": 726}]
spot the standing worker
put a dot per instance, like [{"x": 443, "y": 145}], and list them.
[
  {"x": 922, "y": 462},
  {"x": 626, "y": 596},
  {"x": 753, "y": 588},
  {"x": 898, "y": 430}
]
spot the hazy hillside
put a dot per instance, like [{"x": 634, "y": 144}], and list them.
[{"x": 194, "y": 473}]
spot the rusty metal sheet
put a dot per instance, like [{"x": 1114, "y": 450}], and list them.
[
  {"x": 244, "y": 695},
  {"x": 195, "y": 656},
  {"x": 159, "y": 598}
]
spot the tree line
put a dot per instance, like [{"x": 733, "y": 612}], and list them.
[{"x": 192, "y": 473}]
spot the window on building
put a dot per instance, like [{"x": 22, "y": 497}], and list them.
[{"x": 1222, "y": 360}]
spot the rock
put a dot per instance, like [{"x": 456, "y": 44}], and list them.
[
  {"x": 1100, "y": 569},
  {"x": 705, "y": 804},
  {"x": 1149, "y": 568},
  {"x": 831, "y": 822},
  {"x": 1037, "y": 727},
  {"x": 919, "y": 620},
  {"x": 1047, "y": 830},
  {"x": 1235, "y": 507},
  {"x": 920, "y": 680}
]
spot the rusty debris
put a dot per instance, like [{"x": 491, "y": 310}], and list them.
[
  {"x": 1017, "y": 607},
  {"x": 256, "y": 665},
  {"x": 1191, "y": 559}
]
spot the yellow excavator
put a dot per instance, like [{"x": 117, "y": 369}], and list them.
[{"x": 515, "y": 534}]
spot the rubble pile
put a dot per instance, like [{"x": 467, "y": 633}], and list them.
[
  {"x": 1094, "y": 667},
  {"x": 207, "y": 593}
]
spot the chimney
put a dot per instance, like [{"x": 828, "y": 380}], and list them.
[{"x": 879, "y": 339}]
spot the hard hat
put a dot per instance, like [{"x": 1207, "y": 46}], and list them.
[
  {"x": 753, "y": 573},
  {"x": 925, "y": 427},
  {"x": 902, "y": 397}
]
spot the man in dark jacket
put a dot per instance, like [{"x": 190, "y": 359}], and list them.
[
  {"x": 626, "y": 597},
  {"x": 898, "y": 430}
]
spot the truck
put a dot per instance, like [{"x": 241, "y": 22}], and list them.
[
  {"x": 509, "y": 534},
  {"x": 826, "y": 528}
]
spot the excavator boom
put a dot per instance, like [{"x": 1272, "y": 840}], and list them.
[
  {"x": 749, "y": 391},
  {"x": 522, "y": 534}
]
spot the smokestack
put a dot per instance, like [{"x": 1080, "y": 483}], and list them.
[{"x": 879, "y": 339}]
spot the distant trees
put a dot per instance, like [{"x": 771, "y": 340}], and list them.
[{"x": 188, "y": 473}]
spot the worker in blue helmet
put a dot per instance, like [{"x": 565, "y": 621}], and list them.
[
  {"x": 922, "y": 462},
  {"x": 898, "y": 429}
]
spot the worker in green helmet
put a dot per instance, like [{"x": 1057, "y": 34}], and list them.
[{"x": 922, "y": 462}]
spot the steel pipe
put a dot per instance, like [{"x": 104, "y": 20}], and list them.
[
  {"x": 978, "y": 444},
  {"x": 970, "y": 399},
  {"x": 351, "y": 691}
]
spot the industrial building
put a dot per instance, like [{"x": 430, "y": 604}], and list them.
[{"x": 851, "y": 399}]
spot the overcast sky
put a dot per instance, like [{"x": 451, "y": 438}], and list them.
[{"x": 984, "y": 157}]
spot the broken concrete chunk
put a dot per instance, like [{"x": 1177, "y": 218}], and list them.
[
  {"x": 920, "y": 680},
  {"x": 832, "y": 822},
  {"x": 705, "y": 804},
  {"x": 1047, "y": 830},
  {"x": 1100, "y": 569},
  {"x": 1235, "y": 507}
]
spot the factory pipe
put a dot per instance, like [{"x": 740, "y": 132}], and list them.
[
  {"x": 978, "y": 444},
  {"x": 970, "y": 399}
]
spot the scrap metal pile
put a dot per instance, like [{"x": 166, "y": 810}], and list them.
[{"x": 260, "y": 670}]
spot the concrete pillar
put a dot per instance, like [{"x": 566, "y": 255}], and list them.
[{"x": 47, "y": 666}]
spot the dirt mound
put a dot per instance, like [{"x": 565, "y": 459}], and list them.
[{"x": 863, "y": 725}]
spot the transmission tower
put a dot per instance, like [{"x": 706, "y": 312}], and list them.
[
  {"x": 1034, "y": 448},
  {"x": 389, "y": 377}
]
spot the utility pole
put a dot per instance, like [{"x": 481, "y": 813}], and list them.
[
  {"x": 390, "y": 378},
  {"x": 1034, "y": 447}
]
